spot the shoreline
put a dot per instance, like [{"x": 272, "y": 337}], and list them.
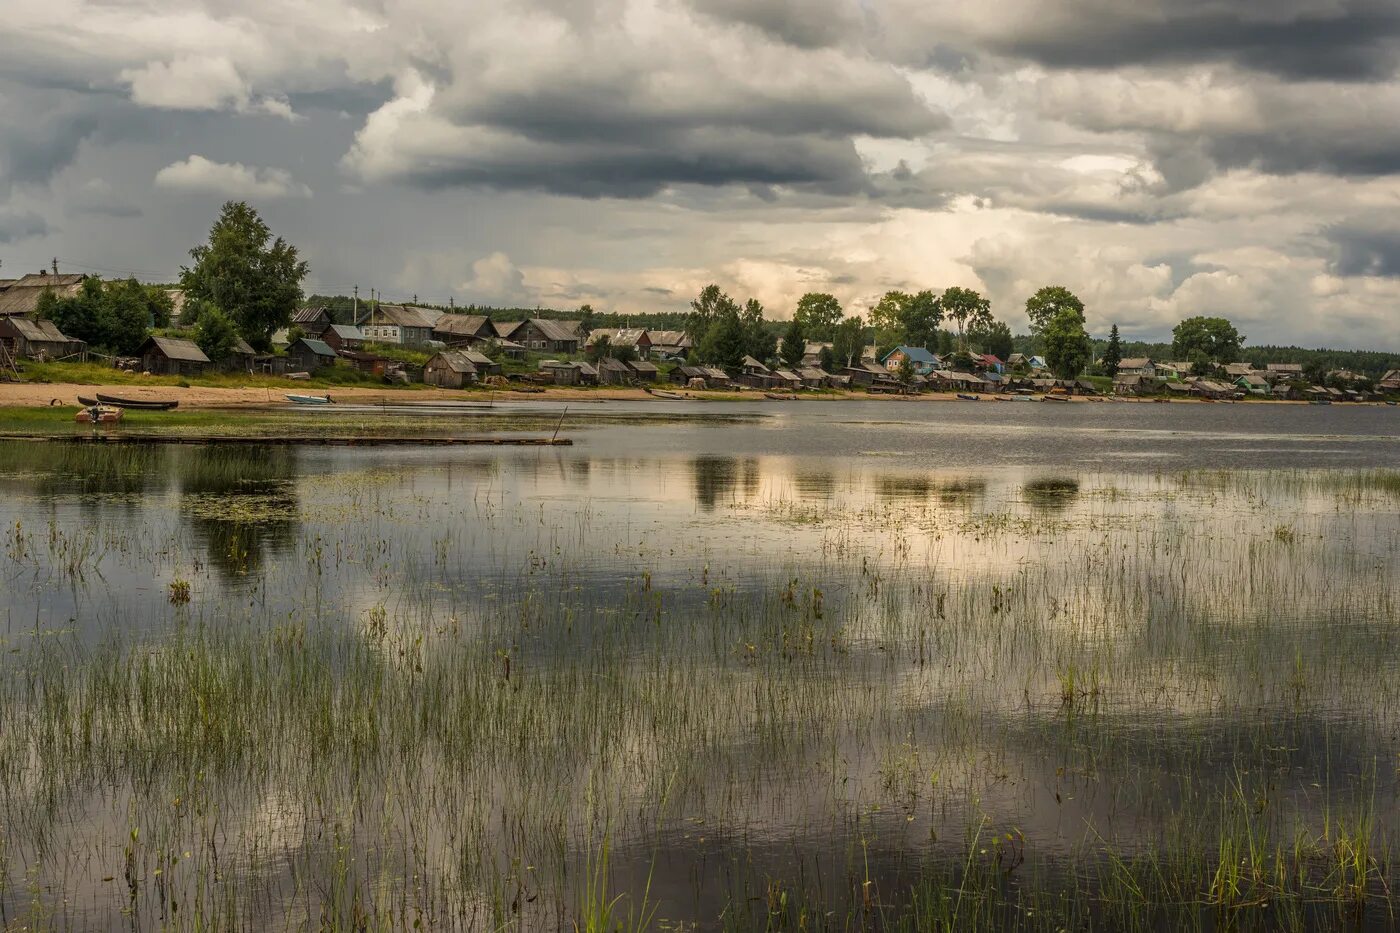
[{"x": 40, "y": 395}]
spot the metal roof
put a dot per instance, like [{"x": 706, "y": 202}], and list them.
[{"x": 319, "y": 347}]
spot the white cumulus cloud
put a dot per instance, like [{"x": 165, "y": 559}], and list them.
[{"x": 231, "y": 179}]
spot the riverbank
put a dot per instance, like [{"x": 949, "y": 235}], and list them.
[{"x": 32, "y": 395}]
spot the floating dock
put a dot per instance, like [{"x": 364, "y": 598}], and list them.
[{"x": 286, "y": 441}]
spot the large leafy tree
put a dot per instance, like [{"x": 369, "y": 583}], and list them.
[
  {"x": 1067, "y": 347},
  {"x": 922, "y": 315},
  {"x": 759, "y": 342},
  {"x": 794, "y": 345},
  {"x": 1113, "y": 353},
  {"x": 968, "y": 308},
  {"x": 819, "y": 314},
  {"x": 995, "y": 339},
  {"x": 243, "y": 271},
  {"x": 706, "y": 309},
  {"x": 1049, "y": 301},
  {"x": 1212, "y": 337},
  {"x": 847, "y": 341},
  {"x": 726, "y": 339}
]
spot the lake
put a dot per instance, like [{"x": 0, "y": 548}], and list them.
[{"x": 717, "y": 666}]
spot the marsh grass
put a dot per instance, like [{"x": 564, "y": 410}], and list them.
[{"x": 461, "y": 698}]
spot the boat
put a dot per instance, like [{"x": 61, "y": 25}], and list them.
[
  {"x": 98, "y": 414},
  {"x": 780, "y": 397},
  {"x": 1320, "y": 401},
  {"x": 1056, "y": 398},
  {"x": 136, "y": 404},
  {"x": 310, "y": 399},
  {"x": 1024, "y": 398},
  {"x": 969, "y": 398},
  {"x": 662, "y": 393}
]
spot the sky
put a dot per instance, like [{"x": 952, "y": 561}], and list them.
[{"x": 1161, "y": 158}]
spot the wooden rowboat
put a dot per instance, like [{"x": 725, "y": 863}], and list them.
[
  {"x": 310, "y": 399},
  {"x": 969, "y": 398},
  {"x": 137, "y": 404},
  {"x": 98, "y": 414}
]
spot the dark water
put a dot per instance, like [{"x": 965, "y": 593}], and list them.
[{"x": 814, "y": 645}]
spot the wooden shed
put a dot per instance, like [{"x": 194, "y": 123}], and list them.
[
  {"x": 172, "y": 356},
  {"x": 37, "y": 340},
  {"x": 450, "y": 369},
  {"x": 308, "y": 355}
]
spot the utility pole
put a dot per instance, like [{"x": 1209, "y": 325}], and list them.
[
  {"x": 451, "y": 303},
  {"x": 355, "y": 314},
  {"x": 55, "y": 267}
]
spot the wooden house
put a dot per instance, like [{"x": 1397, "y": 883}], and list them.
[
  {"x": 342, "y": 337},
  {"x": 755, "y": 375},
  {"x": 312, "y": 321},
  {"x": 1137, "y": 366},
  {"x": 644, "y": 371},
  {"x": 397, "y": 324},
  {"x": 921, "y": 359},
  {"x": 450, "y": 369},
  {"x": 21, "y": 296},
  {"x": 37, "y": 340},
  {"x": 613, "y": 372},
  {"x": 456, "y": 330},
  {"x": 307, "y": 354},
  {"x": 546, "y": 336},
  {"x": 172, "y": 356},
  {"x": 639, "y": 340}
]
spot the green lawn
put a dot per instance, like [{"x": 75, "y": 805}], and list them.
[{"x": 97, "y": 374}]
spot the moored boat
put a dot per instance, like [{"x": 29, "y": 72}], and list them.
[
  {"x": 662, "y": 393},
  {"x": 136, "y": 403},
  {"x": 969, "y": 398},
  {"x": 1056, "y": 398},
  {"x": 780, "y": 397},
  {"x": 310, "y": 399}
]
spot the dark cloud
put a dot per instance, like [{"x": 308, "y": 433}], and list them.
[
  {"x": 1305, "y": 39},
  {"x": 20, "y": 225},
  {"x": 801, "y": 23},
  {"x": 1365, "y": 249}
]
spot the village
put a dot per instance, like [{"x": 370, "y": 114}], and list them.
[{"x": 402, "y": 344}]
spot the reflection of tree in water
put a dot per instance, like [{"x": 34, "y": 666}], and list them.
[
  {"x": 120, "y": 470},
  {"x": 240, "y": 501},
  {"x": 964, "y": 491},
  {"x": 716, "y": 477},
  {"x": 1052, "y": 494},
  {"x": 816, "y": 484}
]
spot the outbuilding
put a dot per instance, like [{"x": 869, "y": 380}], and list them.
[{"x": 172, "y": 356}]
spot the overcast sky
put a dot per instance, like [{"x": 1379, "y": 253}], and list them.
[{"x": 1162, "y": 158}]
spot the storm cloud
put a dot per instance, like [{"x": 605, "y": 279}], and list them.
[{"x": 1161, "y": 158}]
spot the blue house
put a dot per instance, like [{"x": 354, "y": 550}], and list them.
[{"x": 924, "y": 362}]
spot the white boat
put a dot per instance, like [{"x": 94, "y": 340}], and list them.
[{"x": 310, "y": 399}]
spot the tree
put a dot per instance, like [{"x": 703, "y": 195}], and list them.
[
  {"x": 1213, "y": 337},
  {"x": 1113, "y": 353},
  {"x": 1049, "y": 301},
  {"x": 887, "y": 318},
  {"x": 1067, "y": 347},
  {"x": 819, "y": 314},
  {"x": 624, "y": 353},
  {"x": 995, "y": 339},
  {"x": 707, "y": 308},
  {"x": 848, "y": 340},
  {"x": 923, "y": 313},
  {"x": 725, "y": 339},
  {"x": 115, "y": 316},
  {"x": 759, "y": 341},
  {"x": 216, "y": 334},
  {"x": 826, "y": 359},
  {"x": 244, "y": 272},
  {"x": 598, "y": 349},
  {"x": 906, "y": 371},
  {"x": 968, "y": 308},
  {"x": 794, "y": 344}
]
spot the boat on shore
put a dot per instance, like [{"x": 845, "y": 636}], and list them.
[
  {"x": 1320, "y": 401},
  {"x": 780, "y": 397},
  {"x": 134, "y": 404},
  {"x": 310, "y": 399},
  {"x": 662, "y": 393},
  {"x": 969, "y": 398},
  {"x": 1056, "y": 398}
]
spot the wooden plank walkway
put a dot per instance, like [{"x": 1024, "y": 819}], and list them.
[{"x": 285, "y": 441}]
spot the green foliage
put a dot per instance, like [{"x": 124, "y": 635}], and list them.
[
  {"x": 1113, "y": 353},
  {"x": 216, "y": 334},
  {"x": 906, "y": 370},
  {"x": 707, "y": 308},
  {"x": 995, "y": 339},
  {"x": 726, "y": 338},
  {"x": 912, "y": 320},
  {"x": 114, "y": 316},
  {"x": 585, "y": 320},
  {"x": 794, "y": 343},
  {"x": 1214, "y": 337},
  {"x": 848, "y": 340},
  {"x": 598, "y": 349},
  {"x": 1067, "y": 346},
  {"x": 819, "y": 313},
  {"x": 968, "y": 308},
  {"x": 255, "y": 280},
  {"x": 826, "y": 359},
  {"x": 1045, "y": 304},
  {"x": 759, "y": 341}
]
